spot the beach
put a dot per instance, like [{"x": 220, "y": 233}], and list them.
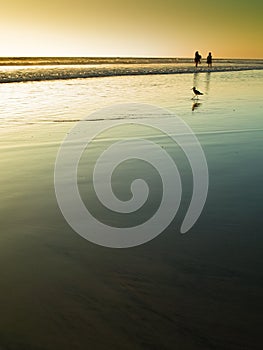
[
  {"x": 201, "y": 290},
  {"x": 42, "y": 69}
]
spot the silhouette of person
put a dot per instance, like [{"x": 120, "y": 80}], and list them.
[
  {"x": 197, "y": 58},
  {"x": 209, "y": 60}
]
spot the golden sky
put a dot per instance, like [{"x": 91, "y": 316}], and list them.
[{"x": 228, "y": 28}]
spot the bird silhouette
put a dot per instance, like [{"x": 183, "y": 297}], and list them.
[{"x": 196, "y": 92}]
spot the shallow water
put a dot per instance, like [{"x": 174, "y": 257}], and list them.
[
  {"x": 202, "y": 290},
  {"x": 13, "y": 70},
  {"x": 231, "y": 95}
]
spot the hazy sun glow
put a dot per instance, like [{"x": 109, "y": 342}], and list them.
[{"x": 229, "y": 28}]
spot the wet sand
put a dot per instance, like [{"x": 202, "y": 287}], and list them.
[{"x": 202, "y": 290}]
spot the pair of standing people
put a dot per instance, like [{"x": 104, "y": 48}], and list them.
[{"x": 198, "y": 57}]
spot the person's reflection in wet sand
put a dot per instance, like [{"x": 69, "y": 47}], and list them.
[
  {"x": 207, "y": 82},
  {"x": 196, "y": 79}
]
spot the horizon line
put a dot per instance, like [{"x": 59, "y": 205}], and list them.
[{"x": 122, "y": 57}]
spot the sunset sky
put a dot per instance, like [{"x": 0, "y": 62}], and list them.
[{"x": 228, "y": 28}]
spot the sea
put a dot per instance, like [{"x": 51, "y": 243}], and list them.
[{"x": 39, "y": 69}]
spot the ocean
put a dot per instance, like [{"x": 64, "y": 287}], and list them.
[{"x": 39, "y": 69}]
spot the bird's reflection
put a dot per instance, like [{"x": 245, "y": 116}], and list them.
[{"x": 196, "y": 105}]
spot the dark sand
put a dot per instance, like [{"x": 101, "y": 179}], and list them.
[{"x": 198, "y": 291}]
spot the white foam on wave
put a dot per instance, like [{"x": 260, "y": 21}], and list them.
[{"x": 15, "y": 74}]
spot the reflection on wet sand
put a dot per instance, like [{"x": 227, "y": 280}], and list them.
[
  {"x": 196, "y": 82},
  {"x": 207, "y": 81},
  {"x": 196, "y": 79},
  {"x": 196, "y": 105}
]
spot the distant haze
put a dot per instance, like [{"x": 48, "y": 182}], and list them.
[{"x": 166, "y": 28}]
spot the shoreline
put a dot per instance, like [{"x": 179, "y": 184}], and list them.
[{"x": 67, "y": 73}]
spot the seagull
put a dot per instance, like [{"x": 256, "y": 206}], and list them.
[{"x": 196, "y": 92}]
